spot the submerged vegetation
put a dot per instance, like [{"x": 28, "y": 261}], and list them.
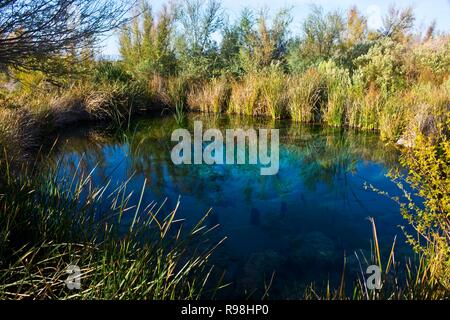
[{"x": 337, "y": 72}]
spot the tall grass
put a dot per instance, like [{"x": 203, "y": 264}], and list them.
[
  {"x": 27, "y": 119},
  {"x": 49, "y": 221},
  {"x": 307, "y": 93},
  {"x": 337, "y": 82},
  {"x": 246, "y": 96},
  {"x": 412, "y": 279},
  {"x": 274, "y": 92},
  {"x": 392, "y": 119},
  {"x": 211, "y": 97},
  {"x": 365, "y": 106},
  {"x": 177, "y": 90}
]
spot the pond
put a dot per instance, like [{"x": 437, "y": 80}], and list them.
[{"x": 299, "y": 223}]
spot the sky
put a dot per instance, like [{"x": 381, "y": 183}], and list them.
[{"x": 426, "y": 11}]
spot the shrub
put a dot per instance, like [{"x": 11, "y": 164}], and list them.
[
  {"x": 431, "y": 60},
  {"x": 107, "y": 71},
  {"x": 383, "y": 66},
  {"x": 426, "y": 205}
]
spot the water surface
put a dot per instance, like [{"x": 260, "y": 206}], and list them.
[{"x": 298, "y": 223}]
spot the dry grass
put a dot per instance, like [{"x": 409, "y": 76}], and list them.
[
  {"x": 246, "y": 96},
  {"x": 211, "y": 97},
  {"x": 26, "y": 119}
]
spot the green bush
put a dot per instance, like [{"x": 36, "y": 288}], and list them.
[
  {"x": 106, "y": 71},
  {"x": 428, "y": 178},
  {"x": 383, "y": 66}
]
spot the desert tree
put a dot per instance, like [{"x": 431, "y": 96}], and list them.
[
  {"x": 146, "y": 44},
  {"x": 256, "y": 41},
  {"x": 322, "y": 37},
  {"x": 198, "y": 22},
  {"x": 34, "y": 32},
  {"x": 398, "y": 23}
]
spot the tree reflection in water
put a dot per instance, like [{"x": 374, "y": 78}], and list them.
[{"x": 298, "y": 222}]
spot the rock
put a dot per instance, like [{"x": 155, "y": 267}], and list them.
[{"x": 314, "y": 248}]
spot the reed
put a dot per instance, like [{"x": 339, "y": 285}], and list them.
[
  {"x": 211, "y": 97},
  {"x": 274, "y": 93},
  {"x": 306, "y": 96},
  {"x": 413, "y": 279},
  {"x": 246, "y": 96},
  {"x": 49, "y": 221},
  {"x": 337, "y": 82}
]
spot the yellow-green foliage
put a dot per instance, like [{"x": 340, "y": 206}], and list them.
[
  {"x": 338, "y": 82},
  {"x": 29, "y": 82},
  {"x": 428, "y": 176},
  {"x": 365, "y": 105},
  {"x": 306, "y": 95},
  {"x": 274, "y": 92}
]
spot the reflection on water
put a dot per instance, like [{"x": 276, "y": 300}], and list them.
[{"x": 298, "y": 223}]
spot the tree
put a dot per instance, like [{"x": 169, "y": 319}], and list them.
[
  {"x": 197, "y": 49},
  {"x": 236, "y": 37},
  {"x": 33, "y": 32},
  {"x": 145, "y": 43},
  {"x": 398, "y": 23},
  {"x": 355, "y": 40},
  {"x": 323, "y": 36},
  {"x": 253, "y": 49},
  {"x": 356, "y": 31}
]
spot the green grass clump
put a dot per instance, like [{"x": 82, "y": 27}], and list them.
[
  {"x": 337, "y": 81},
  {"x": 392, "y": 117},
  {"x": 274, "y": 92},
  {"x": 306, "y": 96},
  {"x": 365, "y": 105}
]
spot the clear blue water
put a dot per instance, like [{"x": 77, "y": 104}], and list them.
[{"x": 298, "y": 223}]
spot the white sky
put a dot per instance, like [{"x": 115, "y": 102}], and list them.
[{"x": 425, "y": 10}]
